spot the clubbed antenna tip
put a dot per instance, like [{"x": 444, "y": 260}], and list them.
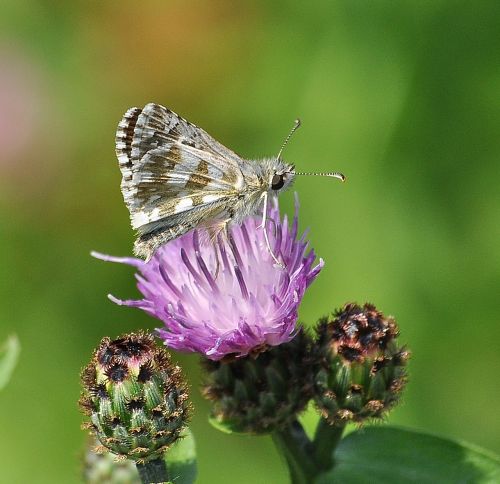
[{"x": 333, "y": 174}]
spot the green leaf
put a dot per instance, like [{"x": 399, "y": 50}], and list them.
[
  {"x": 222, "y": 426},
  {"x": 9, "y": 354},
  {"x": 181, "y": 460},
  {"x": 393, "y": 455}
]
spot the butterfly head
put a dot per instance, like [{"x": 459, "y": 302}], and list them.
[
  {"x": 278, "y": 175},
  {"x": 282, "y": 174}
]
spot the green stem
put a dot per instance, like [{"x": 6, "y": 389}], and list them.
[
  {"x": 326, "y": 440},
  {"x": 295, "y": 446},
  {"x": 154, "y": 471}
]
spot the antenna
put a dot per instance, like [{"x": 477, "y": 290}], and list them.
[
  {"x": 296, "y": 126},
  {"x": 333, "y": 174}
]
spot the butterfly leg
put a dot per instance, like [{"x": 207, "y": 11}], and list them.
[
  {"x": 266, "y": 236},
  {"x": 216, "y": 232}
]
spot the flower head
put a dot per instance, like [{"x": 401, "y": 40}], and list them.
[
  {"x": 227, "y": 297},
  {"x": 135, "y": 396},
  {"x": 362, "y": 368},
  {"x": 263, "y": 394}
]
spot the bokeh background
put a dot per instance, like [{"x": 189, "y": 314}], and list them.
[{"x": 403, "y": 97}]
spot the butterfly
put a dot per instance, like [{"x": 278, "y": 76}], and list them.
[{"x": 176, "y": 177}]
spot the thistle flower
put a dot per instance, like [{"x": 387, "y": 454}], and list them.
[
  {"x": 362, "y": 370},
  {"x": 135, "y": 397},
  {"x": 227, "y": 297}
]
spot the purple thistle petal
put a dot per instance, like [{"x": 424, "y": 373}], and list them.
[
  {"x": 132, "y": 261},
  {"x": 226, "y": 297}
]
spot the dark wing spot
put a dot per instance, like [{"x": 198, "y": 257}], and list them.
[{"x": 199, "y": 178}]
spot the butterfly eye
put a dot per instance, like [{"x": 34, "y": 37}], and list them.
[{"x": 277, "y": 182}]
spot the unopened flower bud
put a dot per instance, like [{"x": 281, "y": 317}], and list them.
[
  {"x": 262, "y": 393},
  {"x": 104, "y": 468},
  {"x": 361, "y": 371},
  {"x": 136, "y": 398}
]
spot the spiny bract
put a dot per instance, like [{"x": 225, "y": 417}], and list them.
[{"x": 136, "y": 398}]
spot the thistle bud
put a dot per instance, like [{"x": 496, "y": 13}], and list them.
[
  {"x": 135, "y": 397},
  {"x": 261, "y": 393},
  {"x": 361, "y": 371},
  {"x": 103, "y": 468}
]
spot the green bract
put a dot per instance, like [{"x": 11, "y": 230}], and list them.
[
  {"x": 136, "y": 398},
  {"x": 104, "y": 468},
  {"x": 260, "y": 394},
  {"x": 361, "y": 370}
]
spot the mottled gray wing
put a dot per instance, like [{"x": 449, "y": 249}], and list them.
[
  {"x": 174, "y": 175},
  {"x": 141, "y": 130}
]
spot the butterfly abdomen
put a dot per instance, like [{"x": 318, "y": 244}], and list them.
[{"x": 146, "y": 244}]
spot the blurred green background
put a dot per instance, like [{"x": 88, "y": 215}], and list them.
[{"x": 403, "y": 97}]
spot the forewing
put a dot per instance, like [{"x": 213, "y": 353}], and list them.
[
  {"x": 141, "y": 130},
  {"x": 171, "y": 167}
]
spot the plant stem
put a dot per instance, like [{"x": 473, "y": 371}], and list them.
[
  {"x": 296, "y": 447},
  {"x": 326, "y": 440},
  {"x": 153, "y": 471}
]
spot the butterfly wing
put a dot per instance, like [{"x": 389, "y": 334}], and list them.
[{"x": 174, "y": 175}]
